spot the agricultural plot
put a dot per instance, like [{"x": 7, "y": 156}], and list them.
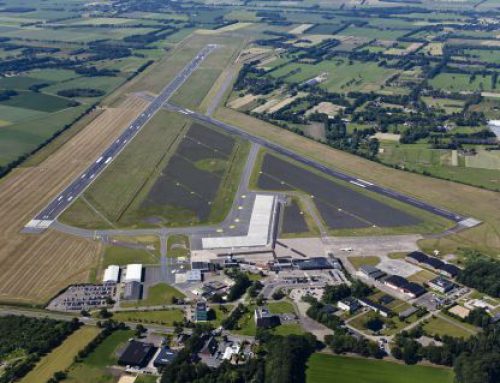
[
  {"x": 340, "y": 206},
  {"x": 455, "y": 82},
  {"x": 341, "y": 76},
  {"x": 321, "y": 368}
]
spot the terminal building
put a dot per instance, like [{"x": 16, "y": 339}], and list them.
[{"x": 260, "y": 230}]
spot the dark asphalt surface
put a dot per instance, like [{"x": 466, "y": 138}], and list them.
[
  {"x": 318, "y": 166},
  {"x": 65, "y": 198}
]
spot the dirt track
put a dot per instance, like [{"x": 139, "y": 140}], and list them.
[{"x": 35, "y": 267}]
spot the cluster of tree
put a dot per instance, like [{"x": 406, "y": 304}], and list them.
[
  {"x": 231, "y": 321},
  {"x": 35, "y": 337},
  {"x": 341, "y": 342},
  {"x": 92, "y": 71},
  {"x": 81, "y": 92},
  {"x": 7, "y": 94},
  {"x": 482, "y": 274},
  {"x": 255, "y": 289},
  {"x": 241, "y": 284},
  {"x": 278, "y": 359}
]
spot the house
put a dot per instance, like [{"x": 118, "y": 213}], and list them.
[
  {"x": 200, "y": 312},
  {"x": 441, "y": 285},
  {"x": 348, "y": 304},
  {"x": 264, "y": 319},
  {"x": 371, "y": 272},
  {"x": 137, "y": 354},
  {"x": 378, "y": 308}
]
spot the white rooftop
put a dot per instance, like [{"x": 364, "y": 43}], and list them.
[
  {"x": 259, "y": 229},
  {"x": 111, "y": 273},
  {"x": 133, "y": 272}
]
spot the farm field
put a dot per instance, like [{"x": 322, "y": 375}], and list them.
[
  {"x": 462, "y": 82},
  {"x": 61, "y": 357},
  {"x": 437, "y": 162},
  {"x": 45, "y": 271},
  {"x": 321, "y": 367},
  {"x": 341, "y": 76}
]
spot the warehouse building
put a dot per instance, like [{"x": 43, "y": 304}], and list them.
[
  {"x": 402, "y": 285},
  {"x": 133, "y": 273},
  {"x": 450, "y": 271},
  {"x": 371, "y": 272},
  {"x": 137, "y": 354},
  {"x": 111, "y": 274}
]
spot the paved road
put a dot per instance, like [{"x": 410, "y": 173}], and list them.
[
  {"x": 318, "y": 166},
  {"x": 47, "y": 216}
]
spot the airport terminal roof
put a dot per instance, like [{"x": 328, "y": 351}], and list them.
[
  {"x": 258, "y": 231},
  {"x": 133, "y": 272}
]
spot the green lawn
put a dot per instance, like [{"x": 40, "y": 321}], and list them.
[
  {"x": 357, "y": 262},
  {"x": 281, "y": 307},
  {"x": 323, "y": 368},
  {"x": 451, "y": 327},
  {"x": 114, "y": 255},
  {"x": 461, "y": 82},
  {"x": 158, "y": 295},
  {"x": 163, "y": 317},
  {"x": 178, "y": 246}
]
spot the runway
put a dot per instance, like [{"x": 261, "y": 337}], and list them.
[
  {"x": 49, "y": 214},
  {"x": 464, "y": 221}
]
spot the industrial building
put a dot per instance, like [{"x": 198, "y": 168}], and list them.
[
  {"x": 401, "y": 284},
  {"x": 443, "y": 268},
  {"x": 371, "y": 272},
  {"x": 133, "y": 273},
  {"x": 132, "y": 291},
  {"x": 260, "y": 229},
  {"x": 137, "y": 354},
  {"x": 315, "y": 263},
  {"x": 111, "y": 274}
]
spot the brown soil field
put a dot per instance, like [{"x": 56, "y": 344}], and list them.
[
  {"x": 35, "y": 267},
  {"x": 466, "y": 200}
]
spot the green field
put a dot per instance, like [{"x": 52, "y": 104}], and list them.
[
  {"x": 118, "y": 255},
  {"x": 93, "y": 369},
  {"x": 157, "y": 295},
  {"x": 61, "y": 357},
  {"x": 163, "y": 317},
  {"x": 178, "y": 246},
  {"x": 450, "y": 327},
  {"x": 323, "y": 368},
  {"x": 437, "y": 162},
  {"x": 462, "y": 82}
]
